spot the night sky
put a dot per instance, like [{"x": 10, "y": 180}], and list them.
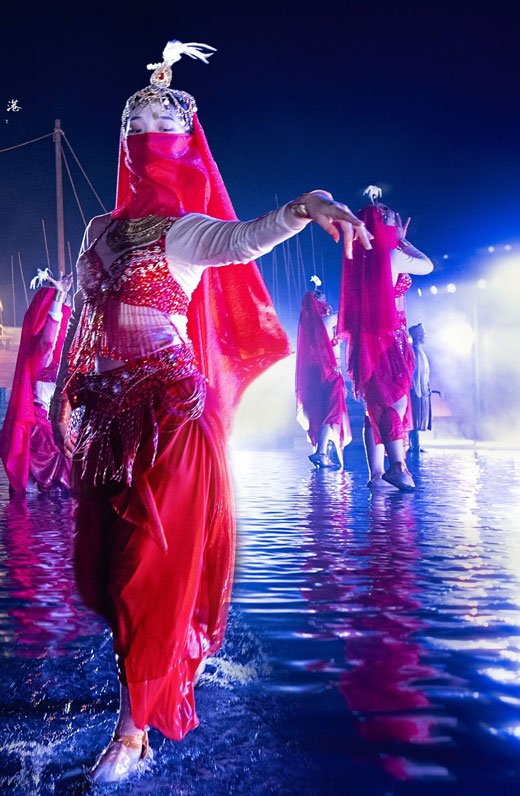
[{"x": 418, "y": 97}]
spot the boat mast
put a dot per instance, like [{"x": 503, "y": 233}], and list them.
[{"x": 59, "y": 198}]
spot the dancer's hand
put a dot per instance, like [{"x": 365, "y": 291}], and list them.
[
  {"x": 333, "y": 216},
  {"x": 63, "y": 284},
  {"x": 64, "y": 438},
  {"x": 64, "y": 435},
  {"x": 69, "y": 441}
]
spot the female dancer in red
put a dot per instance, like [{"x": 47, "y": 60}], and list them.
[
  {"x": 320, "y": 389},
  {"x": 27, "y": 447},
  {"x": 372, "y": 320},
  {"x": 163, "y": 348}
]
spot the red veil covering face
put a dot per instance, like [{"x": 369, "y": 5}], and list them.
[
  {"x": 21, "y": 416},
  {"x": 320, "y": 390},
  {"x": 380, "y": 369},
  {"x": 231, "y": 319}
]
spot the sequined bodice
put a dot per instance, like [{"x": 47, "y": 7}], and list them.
[
  {"x": 403, "y": 284},
  {"x": 139, "y": 277},
  {"x": 130, "y": 309}
]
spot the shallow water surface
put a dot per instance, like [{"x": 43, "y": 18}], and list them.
[{"x": 373, "y": 644}]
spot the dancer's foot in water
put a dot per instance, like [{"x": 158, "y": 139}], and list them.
[
  {"x": 398, "y": 475},
  {"x": 123, "y": 756}
]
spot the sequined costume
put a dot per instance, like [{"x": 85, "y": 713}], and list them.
[
  {"x": 320, "y": 389},
  {"x": 395, "y": 368},
  {"x": 372, "y": 320},
  {"x": 27, "y": 447},
  {"x": 155, "y": 524}
]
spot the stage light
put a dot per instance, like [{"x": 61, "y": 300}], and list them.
[
  {"x": 419, "y": 292},
  {"x": 451, "y": 288},
  {"x": 457, "y": 336},
  {"x": 482, "y": 284},
  {"x": 445, "y": 256},
  {"x": 491, "y": 249},
  {"x": 433, "y": 290},
  {"x": 508, "y": 247},
  {"x": 266, "y": 415}
]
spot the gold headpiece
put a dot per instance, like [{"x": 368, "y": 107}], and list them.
[{"x": 159, "y": 89}]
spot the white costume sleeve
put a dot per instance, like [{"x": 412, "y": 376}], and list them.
[
  {"x": 196, "y": 242},
  {"x": 409, "y": 260}
]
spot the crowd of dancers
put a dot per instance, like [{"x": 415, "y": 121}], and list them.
[
  {"x": 161, "y": 342},
  {"x": 380, "y": 361}
]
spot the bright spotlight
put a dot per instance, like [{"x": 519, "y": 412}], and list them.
[
  {"x": 433, "y": 290},
  {"x": 457, "y": 336},
  {"x": 445, "y": 256},
  {"x": 482, "y": 284},
  {"x": 491, "y": 249},
  {"x": 508, "y": 247},
  {"x": 451, "y": 288},
  {"x": 419, "y": 291}
]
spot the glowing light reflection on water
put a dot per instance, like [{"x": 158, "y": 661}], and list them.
[{"x": 373, "y": 639}]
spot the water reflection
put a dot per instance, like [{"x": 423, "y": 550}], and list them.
[
  {"x": 367, "y": 594},
  {"x": 40, "y": 611},
  {"x": 391, "y": 626},
  {"x": 403, "y": 608}
]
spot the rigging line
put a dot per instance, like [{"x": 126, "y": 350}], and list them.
[
  {"x": 16, "y": 146},
  {"x": 287, "y": 273},
  {"x": 312, "y": 247},
  {"x": 23, "y": 279},
  {"x": 12, "y": 289},
  {"x": 72, "y": 269},
  {"x": 46, "y": 246},
  {"x": 73, "y": 187},
  {"x": 84, "y": 173},
  {"x": 275, "y": 280},
  {"x": 293, "y": 271},
  {"x": 301, "y": 268}
]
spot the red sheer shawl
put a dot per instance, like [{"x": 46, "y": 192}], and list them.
[
  {"x": 320, "y": 391},
  {"x": 367, "y": 316},
  {"x": 231, "y": 319},
  {"x": 20, "y": 416}
]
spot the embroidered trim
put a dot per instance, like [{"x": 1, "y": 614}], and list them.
[{"x": 117, "y": 402}]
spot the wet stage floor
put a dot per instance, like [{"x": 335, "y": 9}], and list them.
[{"x": 373, "y": 644}]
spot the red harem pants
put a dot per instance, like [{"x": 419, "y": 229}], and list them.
[
  {"x": 389, "y": 382},
  {"x": 324, "y": 403},
  {"x": 156, "y": 560}
]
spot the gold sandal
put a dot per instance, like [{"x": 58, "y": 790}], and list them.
[
  {"x": 136, "y": 741},
  {"x": 123, "y": 769}
]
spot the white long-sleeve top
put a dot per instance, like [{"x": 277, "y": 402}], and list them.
[
  {"x": 194, "y": 243},
  {"x": 408, "y": 260}
]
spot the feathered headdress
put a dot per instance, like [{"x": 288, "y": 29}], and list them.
[
  {"x": 41, "y": 277},
  {"x": 374, "y": 192},
  {"x": 159, "y": 89}
]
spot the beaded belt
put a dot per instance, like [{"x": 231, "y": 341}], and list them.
[{"x": 117, "y": 401}]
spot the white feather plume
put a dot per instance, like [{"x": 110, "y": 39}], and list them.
[
  {"x": 41, "y": 277},
  {"x": 374, "y": 192},
  {"x": 175, "y": 49},
  {"x": 316, "y": 280}
]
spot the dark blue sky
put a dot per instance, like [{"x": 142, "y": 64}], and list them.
[{"x": 421, "y": 97}]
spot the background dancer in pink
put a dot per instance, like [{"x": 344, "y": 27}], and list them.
[
  {"x": 27, "y": 447},
  {"x": 372, "y": 320},
  {"x": 165, "y": 343},
  {"x": 320, "y": 389}
]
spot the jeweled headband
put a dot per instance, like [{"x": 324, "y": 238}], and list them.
[{"x": 159, "y": 89}]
